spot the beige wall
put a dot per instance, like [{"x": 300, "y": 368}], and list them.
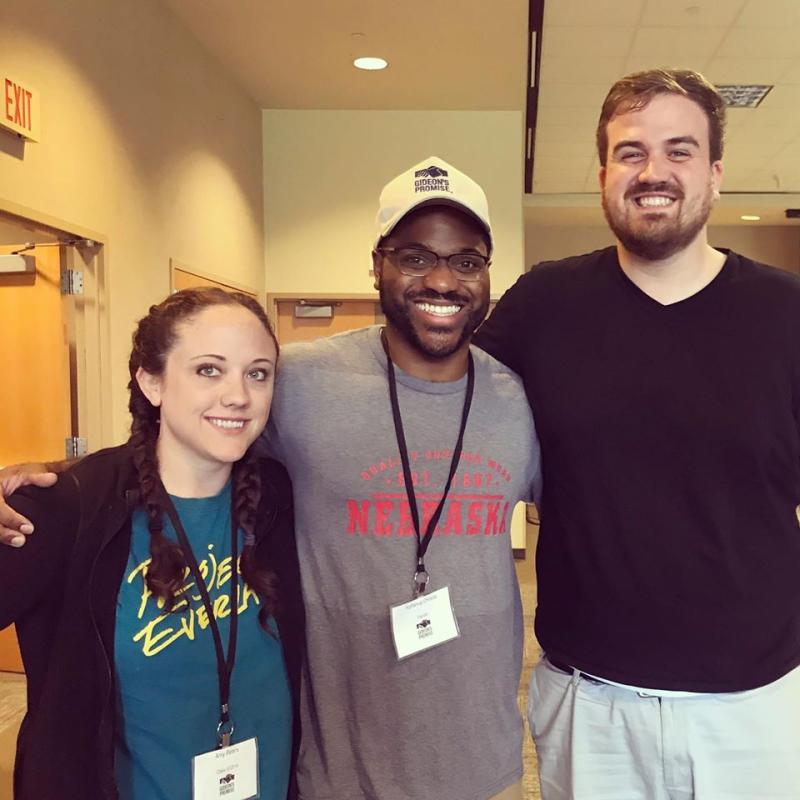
[
  {"x": 776, "y": 245},
  {"x": 551, "y": 242},
  {"x": 323, "y": 172},
  {"x": 145, "y": 140}
]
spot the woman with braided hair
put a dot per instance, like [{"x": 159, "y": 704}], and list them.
[{"x": 156, "y": 669}]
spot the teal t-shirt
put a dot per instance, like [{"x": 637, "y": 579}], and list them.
[{"x": 167, "y": 683}]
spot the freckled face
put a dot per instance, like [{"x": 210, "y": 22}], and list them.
[
  {"x": 659, "y": 185},
  {"x": 216, "y": 389}
]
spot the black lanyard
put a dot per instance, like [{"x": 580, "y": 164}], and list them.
[
  {"x": 224, "y": 664},
  {"x": 421, "y": 575}
]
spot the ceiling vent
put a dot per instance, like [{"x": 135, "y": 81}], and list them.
[{"x": 742, "y": 96}]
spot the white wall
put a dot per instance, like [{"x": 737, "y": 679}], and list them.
[
  {"x": 144, "y": 140},
  {"x": 776, "y": 245},
  {"x": 552, "y": 242},
  {"x": 323, "y": 172}
]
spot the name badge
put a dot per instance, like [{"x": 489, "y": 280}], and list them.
[
  {"x": 230, "y": 773},
  {"x": 423, "y": 623}
]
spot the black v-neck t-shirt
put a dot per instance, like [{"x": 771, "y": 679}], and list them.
[{"x": 669, "y": 550}]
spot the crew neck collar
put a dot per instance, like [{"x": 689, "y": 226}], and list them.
[{"x": 409, "y": 381}]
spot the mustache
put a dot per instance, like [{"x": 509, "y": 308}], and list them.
[
  {"x": 428, "y": 294},
  {"x": 664, "y": 187}
]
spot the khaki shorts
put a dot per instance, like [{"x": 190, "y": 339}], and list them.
[{"x": 595, "y": 740}]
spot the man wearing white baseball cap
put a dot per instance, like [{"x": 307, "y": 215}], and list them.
[
  {"x": 414, "y": 622},
  {"x": 408, "y": 451}
]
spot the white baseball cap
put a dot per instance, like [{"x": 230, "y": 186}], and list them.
[{"x": 431, "y": 182}]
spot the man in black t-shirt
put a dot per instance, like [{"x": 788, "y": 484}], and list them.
[{"x": 664, "y": 376}]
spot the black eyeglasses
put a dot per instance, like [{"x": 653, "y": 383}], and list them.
[{"x": 417, "y": 263}]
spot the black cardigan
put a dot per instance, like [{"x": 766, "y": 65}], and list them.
[{"x": 61, "y": 591}]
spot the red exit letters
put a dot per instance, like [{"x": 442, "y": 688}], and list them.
[{"x": 18, "y": 108}]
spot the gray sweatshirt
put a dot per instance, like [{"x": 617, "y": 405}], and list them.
[{"x": 443, "y": 723}]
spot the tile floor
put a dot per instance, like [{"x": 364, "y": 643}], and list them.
[{"x": 12, "y": 707}]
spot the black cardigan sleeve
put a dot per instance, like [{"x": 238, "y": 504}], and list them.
[
  {"x": 279, "y": 551},
  {"x": 31, "y": 573}
]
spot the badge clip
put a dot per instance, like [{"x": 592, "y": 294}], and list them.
[
  {"x": 421, "y": 579},
  {"x": 224, "y": 729}
]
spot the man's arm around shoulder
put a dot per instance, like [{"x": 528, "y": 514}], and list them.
[
  {"x": 14, "y": 527},
  {"x": 29, "y": 574}
]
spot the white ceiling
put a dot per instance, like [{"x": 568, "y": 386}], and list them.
[
  {"x": 443, "y": 54},
  {"x": 730, "y": 41},
  {"x": 470, "y": 54}
]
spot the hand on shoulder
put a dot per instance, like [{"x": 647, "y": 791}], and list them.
[{"x": 13, "y": 526}]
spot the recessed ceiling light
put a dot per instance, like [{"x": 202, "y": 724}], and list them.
[
  {"x": 371, "y": 63},
  {"x": 750, "y": 217}
]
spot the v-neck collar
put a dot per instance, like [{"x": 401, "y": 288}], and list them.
[{"x": 700, "y": 296}]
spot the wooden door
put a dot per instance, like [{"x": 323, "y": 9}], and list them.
[
  {"x": 35, "y": 393},
  {"x": 346, "y": 315}
]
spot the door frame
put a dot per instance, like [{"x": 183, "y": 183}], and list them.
[
  {"x": 87, "y": 320},
  {"x": 273, "y": 298},
  {"x": 317, "y": 298},
  {"x": 210, "y": 276}
]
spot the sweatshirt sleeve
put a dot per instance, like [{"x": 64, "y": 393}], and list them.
[{"x": 29, "y": 573}]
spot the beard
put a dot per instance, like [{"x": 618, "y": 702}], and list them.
[
  {"x": 655, "y": 237},
  {"x": 438, "y": 344}
]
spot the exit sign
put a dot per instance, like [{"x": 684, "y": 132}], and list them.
[{"x": 21, "y": 109}]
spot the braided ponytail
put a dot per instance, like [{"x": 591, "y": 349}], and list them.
[
  {"x": 152, "y": 342},
  {"x": 246, "y": 498},
  {"x": 167, "y": 566}
]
